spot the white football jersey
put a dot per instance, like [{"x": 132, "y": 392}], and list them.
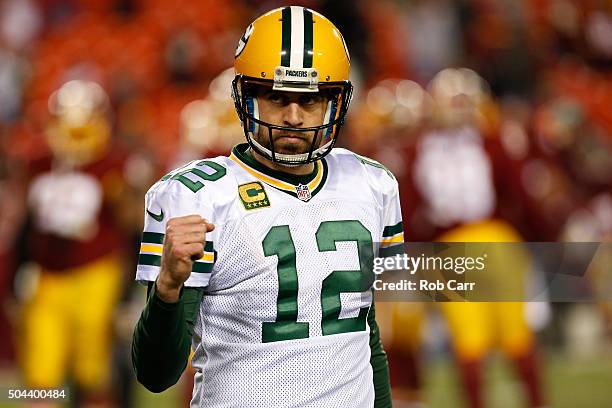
[{"x": 287, "y": 274}]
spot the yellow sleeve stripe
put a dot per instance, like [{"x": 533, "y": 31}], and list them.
[
  {"x": 392, "y": 240},
  {"x": 207, "y": 257},
  {"x": 150, "y": 248}
]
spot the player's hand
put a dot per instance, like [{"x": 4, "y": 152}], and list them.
[{"x": 183, "y": 244}]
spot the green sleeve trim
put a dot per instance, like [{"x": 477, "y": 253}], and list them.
[
  {"x": 153, "y": 237},
  {"x": 148, "y": 259},
  {"x": 158, "y": 238},
  {"x": 202, "y": 267},
  {"x": 162, "y": 338},
  {"x": 198, "y": 267},
  {"x": 380, "y": 366},
  {"x": 391, "y": 251},
  {"x": 391, "y": 230}
]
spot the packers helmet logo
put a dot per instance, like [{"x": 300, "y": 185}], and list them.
[
  {"x": 243, "y": 40},
  {"x": 253, "y": 195}
]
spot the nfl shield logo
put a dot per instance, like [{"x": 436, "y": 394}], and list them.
[{"x": 303, "y": 193}]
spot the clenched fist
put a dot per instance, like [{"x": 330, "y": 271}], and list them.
[{"x": 184, "y": 243}]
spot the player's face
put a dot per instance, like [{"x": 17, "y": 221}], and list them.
[{"x": 290, "y": 109}]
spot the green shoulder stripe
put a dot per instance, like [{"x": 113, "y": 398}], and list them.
[{"x": 374, "y": 163}]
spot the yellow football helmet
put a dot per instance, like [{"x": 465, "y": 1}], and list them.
[{"x": 293, "y": 49}]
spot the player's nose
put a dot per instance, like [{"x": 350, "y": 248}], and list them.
[{"x": 293, "y": 115}]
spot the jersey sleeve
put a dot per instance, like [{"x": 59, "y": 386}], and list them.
[
  {"x": 163, "y": 202},
  {"x": 392, "y": 237},
  {"x": 385, "y": 190}
]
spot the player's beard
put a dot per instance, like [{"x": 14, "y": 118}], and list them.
[{"x": 288, "y": 142}]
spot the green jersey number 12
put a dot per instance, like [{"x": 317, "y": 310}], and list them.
[{"x": 278, "y": 242}]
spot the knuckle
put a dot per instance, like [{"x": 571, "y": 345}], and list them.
[{"x": 179, "y": 252}]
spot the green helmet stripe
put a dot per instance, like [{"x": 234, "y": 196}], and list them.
[
  {"x": 286, "y": 37},
  {"x": 308, "y": 38}
]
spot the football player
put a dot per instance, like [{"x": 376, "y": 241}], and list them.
[
  {"x": 465, "y": 138},
  {"x": 74, "y": 240},
  {"x": 459, "y": 183},
  {"x": 461, "y": 188},
  {"x": 262, "y": 261},
  {"x": 208, "y": 127}
]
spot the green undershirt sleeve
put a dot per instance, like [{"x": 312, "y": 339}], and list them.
[
  {"x": 380, "y": 366},
  {"x": 162, "y": 338}
]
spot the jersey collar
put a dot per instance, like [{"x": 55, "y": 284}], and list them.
[{"x": 287, "y": 183}]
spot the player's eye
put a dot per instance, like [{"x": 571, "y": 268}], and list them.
[
  {"x": 276, "y": 98},
  {"x": 310, "y": 99}
]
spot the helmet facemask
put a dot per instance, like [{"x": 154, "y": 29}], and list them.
[{"x": 338, "y": 97}]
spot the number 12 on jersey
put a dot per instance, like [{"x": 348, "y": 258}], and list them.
[{"x": 278, "y": 242}]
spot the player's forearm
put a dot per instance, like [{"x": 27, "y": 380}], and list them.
[
  {"x": 380, "y": 365},
  {"x": 161, "y": 342}
]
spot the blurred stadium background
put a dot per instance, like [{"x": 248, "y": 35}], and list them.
[{"x": 487, "y": 111}]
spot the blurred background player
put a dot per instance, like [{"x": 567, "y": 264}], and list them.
[
  {"x": 208, "y": 127},
  {"x": 451, "y": 166},
  {"x": 467, "y": 201},
  {"x": 74, "y": 243}
]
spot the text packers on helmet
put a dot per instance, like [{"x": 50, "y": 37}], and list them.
[{"x": 292, "y": 49}]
